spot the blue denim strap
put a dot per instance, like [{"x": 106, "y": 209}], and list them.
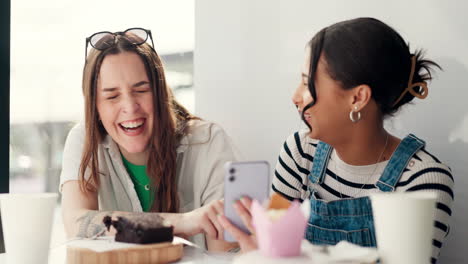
[
  {"x": 398, "y": 162},
  {"x": 319, "y": 167}
]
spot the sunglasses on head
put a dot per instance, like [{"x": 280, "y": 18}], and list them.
[{"x": 105, "y": 39}]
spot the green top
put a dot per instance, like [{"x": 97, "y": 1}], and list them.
[{"x": 141, "y": 181}]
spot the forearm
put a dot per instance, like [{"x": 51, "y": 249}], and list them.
[
  {"x": 441, "y": 223},
  {"x": 436, "y": 178},
  {"x": 176, "y": 220},
  {"x": 88, "y": 223}
]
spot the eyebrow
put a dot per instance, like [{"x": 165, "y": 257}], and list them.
[
  {"x": 109, "y": 89},
  {"x": 138, "y": 84},
  {"x": 305, "y": 75}
]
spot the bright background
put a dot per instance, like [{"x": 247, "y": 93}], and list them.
[{"x": 47, "y": 59}]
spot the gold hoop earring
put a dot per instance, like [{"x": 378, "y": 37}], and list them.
[{"x": 351, "y": 115}]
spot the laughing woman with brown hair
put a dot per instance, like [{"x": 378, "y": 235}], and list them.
[{"x": 138, "y": 149}]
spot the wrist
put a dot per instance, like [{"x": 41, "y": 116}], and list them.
[{"x": 176, "y": 220}]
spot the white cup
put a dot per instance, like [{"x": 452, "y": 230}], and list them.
[
  {"x": 27, "y": 225},
  {"x": 404, "y": 224}
]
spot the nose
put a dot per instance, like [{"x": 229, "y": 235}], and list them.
[
  {"x": 297, "y": 98},
  {"x": 129, "y": 104}
]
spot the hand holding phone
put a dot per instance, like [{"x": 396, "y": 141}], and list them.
[{"x": 241, "y": 179}]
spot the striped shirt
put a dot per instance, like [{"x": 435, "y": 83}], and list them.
[{"x": 423, "y": 172}]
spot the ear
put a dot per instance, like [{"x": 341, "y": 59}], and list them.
[{"x": 360, "y": 97}]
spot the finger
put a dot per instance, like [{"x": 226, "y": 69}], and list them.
[
  {"x": 245, "y": 216},
  {"x": 247, "y": 202},
  {"x": 239, "y": 235},
  {"x": 208, "y": 228},
  {"x": 219, "y": 207},
  {"x": 213, "y": 216}
]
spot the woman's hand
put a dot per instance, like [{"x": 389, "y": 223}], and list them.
[
  {"x": 246, "y": 242},
  {"x": 203, "y": 220}
]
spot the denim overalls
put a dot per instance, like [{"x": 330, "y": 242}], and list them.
[{"x": 351, "y": 219}]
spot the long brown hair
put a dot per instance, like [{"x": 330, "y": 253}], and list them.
[{"x": 169, "y": 126}]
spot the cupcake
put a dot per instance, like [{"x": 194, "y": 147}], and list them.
[{"x": 280, "y": 221}]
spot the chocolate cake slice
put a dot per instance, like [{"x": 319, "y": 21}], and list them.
[{"x": 141, "y": 228}]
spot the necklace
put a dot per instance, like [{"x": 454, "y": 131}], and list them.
[
  {"x": 135, "y": 180},
  {"x": 146, "y": 186},
  {"x": 132, "y": 176},
  {"x": 368, "y": 177}
]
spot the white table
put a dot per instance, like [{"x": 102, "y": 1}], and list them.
[
  {"x": 58, "y": 252},
  {"x": 191, "y": 256}
]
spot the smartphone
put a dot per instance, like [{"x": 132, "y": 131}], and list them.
[{"x": 252, "y": 179}]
